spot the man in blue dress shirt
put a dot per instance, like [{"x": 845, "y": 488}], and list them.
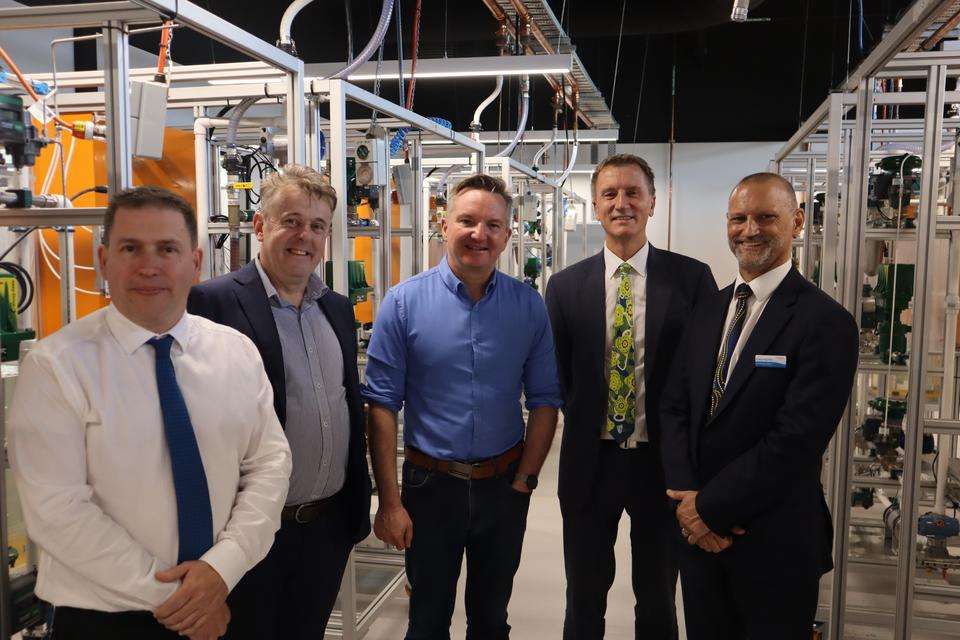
[{"x": 455, "y": 347}]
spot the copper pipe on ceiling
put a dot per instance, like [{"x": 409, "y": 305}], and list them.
[{"x": 940, "y": 33}]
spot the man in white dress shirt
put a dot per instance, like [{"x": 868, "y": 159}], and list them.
[{"x": 150, "y": 462}]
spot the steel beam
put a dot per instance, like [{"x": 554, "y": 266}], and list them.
[
  {"x": 114, "y": 46},
  {"x": 75, "y": 16},
  {"x": 51, "y": 217},
  {"x": 339, "y": 239}
]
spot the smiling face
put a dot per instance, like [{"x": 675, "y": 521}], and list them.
[
  {"x": 476, "y": 231},
  {"x": 150, "y": 265},
  {"x": 293, "y": 234},
  {"x": 762, "y": 220},
  {"x": 623, "y": 203}
]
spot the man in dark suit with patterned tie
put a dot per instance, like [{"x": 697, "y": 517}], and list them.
[
  {"x": 617, "y": 319},
  {"x": 754, "y": 397}
]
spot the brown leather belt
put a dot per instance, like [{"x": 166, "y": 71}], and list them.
[
  {"x": 308, "y": 511},
  {"x": 467, "y": 470}
]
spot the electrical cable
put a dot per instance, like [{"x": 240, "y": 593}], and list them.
[
  {"x": 27, "y": 86},
  {"x": 23, "y": 236},
  {"x": 166, "y": 37},
  {"x": 24, "y": 282},
  {"x": 415, "y": 45},
  {"x": 616, "y": 66},
  {"x": 347, "y": 11},
  {"x": 643, "y": 76},
  {"x": 98, "y": 189},
  {"x": 400, "y": 48},
  {"x": 803, "y": 60}
]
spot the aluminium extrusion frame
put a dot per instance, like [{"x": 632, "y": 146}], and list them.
[
  {"x": 867, "y": 132},
  {"x": 114, "y": 19}
]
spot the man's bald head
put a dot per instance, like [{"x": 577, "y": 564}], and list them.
[
  {"x": 773, "y": 181},
  {"x": 762, "y": 219}
]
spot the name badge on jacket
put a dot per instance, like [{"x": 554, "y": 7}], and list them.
[{"x": 770, "y": 362}]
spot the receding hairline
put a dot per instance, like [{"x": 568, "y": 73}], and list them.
[{"x": 775, "y": 180}]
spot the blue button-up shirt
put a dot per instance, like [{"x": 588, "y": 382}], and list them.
[{"x": 458, "y": 367}]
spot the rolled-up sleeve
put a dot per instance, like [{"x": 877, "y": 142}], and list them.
[
  {"x": 541, "y": 386},
  {"x": 386, "y": 370}
]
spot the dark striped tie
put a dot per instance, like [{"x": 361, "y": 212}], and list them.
[
  {"x": 742, "y": 294},
  {"x": 194, "y": 518}
]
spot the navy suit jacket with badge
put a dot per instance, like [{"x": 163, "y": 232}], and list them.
[{"x": 757, "y": 462}]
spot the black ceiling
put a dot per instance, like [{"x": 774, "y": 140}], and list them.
[{"x": 734, "y": 82}]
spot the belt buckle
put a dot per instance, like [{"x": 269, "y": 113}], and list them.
[
  {"x": 460, "y": 470},
  {"x": 296, "y": 515}
]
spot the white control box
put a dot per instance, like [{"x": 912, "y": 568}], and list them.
[{"x": 148, "y": 118}]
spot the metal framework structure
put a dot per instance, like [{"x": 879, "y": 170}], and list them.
[{"x": 878, "y": 582}]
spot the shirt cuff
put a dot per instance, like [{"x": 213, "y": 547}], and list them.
[
  {"x": 544, "y": 402},
  {"x": 384, "y": 401},
  {"x": 229, "y": 561}
]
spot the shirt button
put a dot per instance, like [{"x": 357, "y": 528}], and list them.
[{"x": 309, "y": 349}]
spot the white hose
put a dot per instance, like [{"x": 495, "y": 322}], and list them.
[
  {"x": 524, "y": 112},
  {"x": 573, "y": 160},
  {"x": 373, "y": 45},
  {"x": 286, "y": 22},
  {"x": 486, "y": 103},
  {"x": 543, "y": 149}
]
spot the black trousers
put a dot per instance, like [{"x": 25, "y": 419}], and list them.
[
  {"x": 484, "y": 519},
  {"x": 748, "y": 592},
  {"x": 70, "y": 623},
  {"x": 289, "y": 595},
  {"x": 626, "y": 480}
]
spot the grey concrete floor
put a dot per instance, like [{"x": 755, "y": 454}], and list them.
[{"x": 537, "y": 606}]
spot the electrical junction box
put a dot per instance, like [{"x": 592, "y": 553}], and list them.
[
  {"x": 372, "y": 160},
  {"x": 148, "y": 118}
]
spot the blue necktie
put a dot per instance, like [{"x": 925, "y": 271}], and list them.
[
  {"x": 194, "y": 518},
  {"x": 742, "y": 294}
]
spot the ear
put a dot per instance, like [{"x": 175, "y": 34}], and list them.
[
  {"x": 443, "y": 225},
  {"x": 102, "y": 257},
  {"x": 258, "y": 225},
  {"x": 798, "y": 218},
  {"x": 653, "y": 206},
  {"x": 197, "y": 261}
]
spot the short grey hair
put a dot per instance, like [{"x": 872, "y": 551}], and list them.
[{"x": 305, "y": 179}]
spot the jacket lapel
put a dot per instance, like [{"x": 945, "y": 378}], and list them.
[
  {"x": 594, "y": 305},
  {"x": 774, "y": 317},
  {"x": 253, "y": 301},
  {"x": 325, "y": 306},
  {"x": 658, "y": 300},
  {"x": 706, "y": 348}
]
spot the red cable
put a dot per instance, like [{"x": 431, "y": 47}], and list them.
[
  {"x": 166, "y": 34},
  {"x": 416, "y": 46}
]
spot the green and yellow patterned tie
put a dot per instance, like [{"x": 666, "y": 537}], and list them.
[{"x": 622, "y": 395}]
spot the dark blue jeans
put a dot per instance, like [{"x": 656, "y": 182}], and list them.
[{"x": 485, "y": 519}]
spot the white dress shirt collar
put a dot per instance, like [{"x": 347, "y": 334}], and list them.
[
  {"x": 764, "y": 286},
  {"x": 638, "y": 261},
  {"x": 132, "y": 336}
]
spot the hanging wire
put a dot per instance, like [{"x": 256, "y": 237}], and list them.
[
  {"x": 347, "y": 11},
  {"x": 803, "y": 61},
  {"x": 399, "y": 14},
  {"x": 849, "y": 35},
  {"x": 643, "y": 76},
  {"x": 616, "y": 66},
  {"x": 415, "y": 47}
]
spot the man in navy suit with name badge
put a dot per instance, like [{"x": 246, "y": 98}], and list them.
[{"x": 754, "y": 397}]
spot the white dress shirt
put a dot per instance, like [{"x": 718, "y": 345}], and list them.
[
  {"x": 638, "y": 285},
  {"x": 762, "y": 287},
  {"x": 89, "y": 454}
]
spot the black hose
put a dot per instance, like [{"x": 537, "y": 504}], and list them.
[
  {"x": 17, "y": 241},
  {"x": 23, "y": 281},
  {"x": 97, "y": 189}
]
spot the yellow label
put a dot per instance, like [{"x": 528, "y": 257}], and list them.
[{"x": 243, "y": 185}]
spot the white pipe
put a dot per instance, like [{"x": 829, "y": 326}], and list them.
[
  {"x": 573, "y": 160},
  {"x": 201, "y": 154},
  {"x": 740, "y": 11},
  {"x": 543, "y": 149},
  {"x": 483, "y": 105},
  {"x": 286, "y": 21},
  {"x": 524, "y": 112},
  {"x": 945, "y": 441},
  {"x": 374, "y": 43}
]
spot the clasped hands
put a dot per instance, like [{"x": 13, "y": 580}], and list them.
[
  {"x": 198, "y": 608},
  {"x": 694, "y": 529}
]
